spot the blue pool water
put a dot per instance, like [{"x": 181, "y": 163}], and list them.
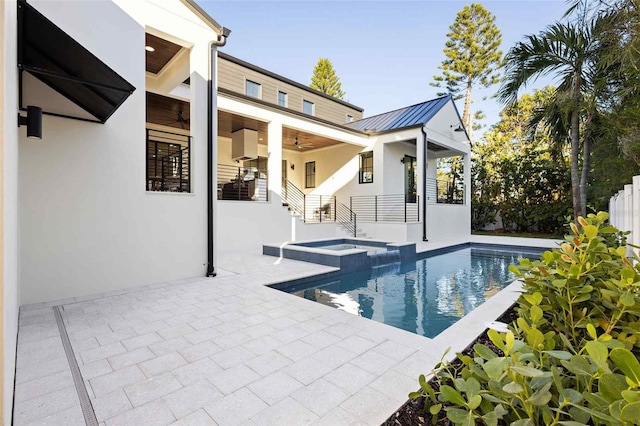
[{"x": 424, "y": 297}]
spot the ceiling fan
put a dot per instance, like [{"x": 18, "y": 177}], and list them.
[
  {"x": 302, "y": 145},
  {"x": 180, "y": 120}
]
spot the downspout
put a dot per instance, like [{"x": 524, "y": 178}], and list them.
[
  {"x": 424, "y": 184},
  {"x": 213, "y": 45}
]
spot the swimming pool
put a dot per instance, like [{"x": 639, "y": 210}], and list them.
[{"x": 423, "y": 297}]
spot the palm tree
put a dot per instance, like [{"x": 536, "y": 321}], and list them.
[{"x": 568, "y": 51}]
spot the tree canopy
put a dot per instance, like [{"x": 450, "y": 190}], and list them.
[
  {"x": 473, "y": 55},
  {"x": 324, "y": 79}
]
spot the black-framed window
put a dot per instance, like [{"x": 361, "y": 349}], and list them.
[
  {"x": 282, "y": 99},
  {"x": 252, "y": 89},
  {"x": 168, "y": 162},
  {"x": 310, "y": 174},
  {"x": 349, "y": 118},
  {"x": 366, "y": 167},
  {"x": 307, "y": 107}
]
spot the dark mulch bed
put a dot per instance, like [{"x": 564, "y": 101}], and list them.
[{"x": 412, "y": 412}]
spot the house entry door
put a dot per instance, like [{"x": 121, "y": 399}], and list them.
[{"x": 410, "y": 179}]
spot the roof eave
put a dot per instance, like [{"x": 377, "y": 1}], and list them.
[{"x": 206, "y": 18}]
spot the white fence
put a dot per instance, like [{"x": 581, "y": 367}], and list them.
[{"x": 624, "y": 210}]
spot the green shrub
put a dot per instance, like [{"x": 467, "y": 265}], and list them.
[{"x": 571, "y": 357}]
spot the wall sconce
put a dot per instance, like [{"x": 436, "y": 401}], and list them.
[
  {"x": 33, "y": 121},
  {"x": 459, "y": 128},
  {"x": 293, "y": 166}
]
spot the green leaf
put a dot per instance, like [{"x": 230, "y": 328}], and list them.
[
  {"x": 495, "y": 367},
  {"x": 526, "y": 371},
  {"x": 541, "y": 396},
  {"x": 535, "y": 313},
  {"x": 559, "y": 354},
  {"x": 490, "y": 419},
  {"x": 474, "y": 402},
  {"x": 535, "y": 338},
  {"x": 435, "y": 409},
  {"x": 496, "y": 339},
  {"x": 415, "y": 395},
  {"x": 631, "y": 412},
  {"x": 571, "y": 423},
  {"x": 457, "y": 415},
  {"x": 590, "y": 231},
  {"x": 598, "y": 352},
  {"x": 452, "y": 395},
  {"x": 571, "y": 395},
  {"x": 592, "y": 331},
  {"x": 610, "y": 386},
  {"x": 484, "y": 351},
  {"x": 473, "y": 387},
  {"x": 627, "y": 299},
  {"x": 630, "y": 395},
  {"x": 513, "y": 387},
  {"x": 627, "y": 363},
  {"x": 621, "y": 251},
  {"x": 509, "y": 339},
  {"x": 628, "y": 274}
]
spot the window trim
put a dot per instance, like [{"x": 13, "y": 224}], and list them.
[
  {"x": 349, "y": 116},
  {"x": 286, "y": 99},
  {"x": 361, "y": 171},
  {"x": 313, "y": 107},
  {"x": 247, "y": 81},
  {"x": 307, "y": 175}
]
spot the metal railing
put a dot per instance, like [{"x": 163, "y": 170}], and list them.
[
  {"x": 242, "y": 183},
  {"x": 386, "y": 208},
  {"x": 445, "y": 192},
  {"x": 347, "y": 219},
  {"x": 168, "y": 161},
  {"x": 318, "y": 208}
]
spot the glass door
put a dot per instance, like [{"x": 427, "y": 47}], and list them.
[{"x": 410, "y": 179}]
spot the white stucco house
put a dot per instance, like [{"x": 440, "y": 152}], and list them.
[{"x": 157, "y": 153}]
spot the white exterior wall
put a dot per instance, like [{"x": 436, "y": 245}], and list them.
[
  {"x": 9, "y": 291},
  {"x": 87, "y": 223}
]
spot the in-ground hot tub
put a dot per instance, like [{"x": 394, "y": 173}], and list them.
[{"x": 348, "y": 254}]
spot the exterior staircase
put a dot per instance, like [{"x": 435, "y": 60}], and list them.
[{"x": 320, "y": 208}]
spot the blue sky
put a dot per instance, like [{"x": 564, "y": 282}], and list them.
[{"x": 384, "y": 52}]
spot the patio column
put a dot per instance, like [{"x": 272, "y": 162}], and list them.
[
  {"x": 274, "y": 163},
  {"x": 467, "y": 179},
  {"x": 420, "y": 151}
]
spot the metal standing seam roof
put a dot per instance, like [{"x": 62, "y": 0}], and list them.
[{"x": 402, "y": 118}]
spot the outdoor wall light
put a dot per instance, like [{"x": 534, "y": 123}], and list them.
[
  {"x": 457, "y": 129},
  {"x": 33, "y": 121}
]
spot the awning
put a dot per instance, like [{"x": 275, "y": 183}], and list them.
[{"x": 62, "y": 77}]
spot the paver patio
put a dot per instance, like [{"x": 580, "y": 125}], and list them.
[{"x": 224, "y": 350}]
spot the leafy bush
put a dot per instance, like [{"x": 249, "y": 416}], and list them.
[{"x": 571, "y": 357}]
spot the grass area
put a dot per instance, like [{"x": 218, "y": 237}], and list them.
[{"x": 503, "y": 233}]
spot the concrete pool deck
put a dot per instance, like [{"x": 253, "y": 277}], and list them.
[{"x": 226, "y": 351}]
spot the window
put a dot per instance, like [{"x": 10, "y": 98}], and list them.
[
  {"x": 307, "y": 107},
  {"x": 349, "y": 118},
  {"x": 310, "y": 174},
  {"x": 167, "y": 162},
  {"x": 282, "y": 99},
  {"x": 252, "y": 89},
  {"x": 366, "y": 167}
]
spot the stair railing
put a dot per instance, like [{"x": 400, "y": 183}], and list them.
[{"x": 346, "y": 218}]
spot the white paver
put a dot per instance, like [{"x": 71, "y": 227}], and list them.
[{"x": 223, "y": 351}]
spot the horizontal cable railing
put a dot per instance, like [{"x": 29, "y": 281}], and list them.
[
  {"x": 242, "y": 183},
  {"x": 168, "y": 160},
  {"x": 445, "y": 192},
  {"x": 386, "y": 208},
  {"x": 293, "y": 196}
]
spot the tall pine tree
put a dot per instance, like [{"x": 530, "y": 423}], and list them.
[
  {"x": 472, "y": 53},
  {"x": 325, "y": 79}
]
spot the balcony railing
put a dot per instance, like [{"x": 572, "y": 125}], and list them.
[
  {"x": 242, "y": 183},
  {"x": 386, "y": 208},
  {"x": 445, "y": 192},
  {"x": 168, "y": 161}
]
